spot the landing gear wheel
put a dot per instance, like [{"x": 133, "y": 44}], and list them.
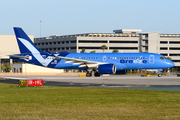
[
  {"x": 96, "y": 74},
  {"x": 88, "y": 74},
  {"x": 159, "y": 75}
]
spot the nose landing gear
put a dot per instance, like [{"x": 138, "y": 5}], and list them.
[{"x": 159, "y": 75}]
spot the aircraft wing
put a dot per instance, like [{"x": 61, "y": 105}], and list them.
[{"x": 83, "y": 63}]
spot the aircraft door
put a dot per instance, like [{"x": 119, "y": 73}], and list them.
[
  {"x": 151, "y": 59},
  {"x": 104, "y": 58}
]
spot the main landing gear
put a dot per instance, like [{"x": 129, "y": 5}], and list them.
[
  {"x": 96, "y": 74},
  {"x": 89, "y": 74}
]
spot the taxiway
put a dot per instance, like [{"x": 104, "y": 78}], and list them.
[{"x": 116, "y": 81}]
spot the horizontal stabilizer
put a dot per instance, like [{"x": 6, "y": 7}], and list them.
[{"x": 18, "y": 56}]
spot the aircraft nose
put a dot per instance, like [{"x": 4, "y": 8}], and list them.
[{"x": 170, "y": 64}]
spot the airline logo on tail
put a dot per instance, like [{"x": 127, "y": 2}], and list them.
[
  {"x": 35, "y": 53},
  {"x": 26, "y": 46},
  {"x": 27, "y": 58}
]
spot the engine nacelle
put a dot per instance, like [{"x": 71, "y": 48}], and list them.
[
  {"x": 121, "y": 72},
  {"x": 107, "y": 69}
]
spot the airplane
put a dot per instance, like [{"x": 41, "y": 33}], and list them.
[{"x": 97, "y": 63}]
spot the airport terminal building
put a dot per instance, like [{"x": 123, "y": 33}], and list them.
[{"x": 125, "y": 40}]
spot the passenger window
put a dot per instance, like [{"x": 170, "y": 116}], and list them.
[{"x": 117, "y": 57}]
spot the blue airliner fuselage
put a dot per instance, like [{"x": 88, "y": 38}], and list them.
[{"x": 100, "y": 63}]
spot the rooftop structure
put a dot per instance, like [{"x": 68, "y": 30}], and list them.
[{"x": 127, "y": 31}]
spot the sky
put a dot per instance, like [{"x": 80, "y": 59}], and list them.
[{"x": 66, "y": 17}]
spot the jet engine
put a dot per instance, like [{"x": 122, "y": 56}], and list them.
[{"x": 107, "y": 69}]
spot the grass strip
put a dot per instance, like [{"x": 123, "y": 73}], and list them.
[{"x": 86, "y": 103}]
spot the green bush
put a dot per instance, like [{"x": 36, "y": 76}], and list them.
[{"x": 5, "y": 67}]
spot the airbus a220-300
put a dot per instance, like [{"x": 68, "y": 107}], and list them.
[{"x": 99, "y": 63}]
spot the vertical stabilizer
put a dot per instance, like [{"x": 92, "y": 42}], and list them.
[{"x": 24, "y": 42}]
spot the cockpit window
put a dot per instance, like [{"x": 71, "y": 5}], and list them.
[{"x": 162, "y": 58}]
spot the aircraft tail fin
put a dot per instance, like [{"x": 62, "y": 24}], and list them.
[{"x": 24, "y": 42}]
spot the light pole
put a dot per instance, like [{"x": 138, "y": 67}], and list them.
[{"x": 40, "y": 28}]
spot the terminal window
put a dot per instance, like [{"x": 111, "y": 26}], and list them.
[
  {"x": 123, "y": 41},
  {"x": 124, "y": 48},
  {"x": 163, "y": 48},
  {"x": 174, "y": 48},
  {"x": 174, "y": 54},
  {"x": 92, "y": 41},
  {"x": 174, "y": 42},
  {"x": 163, "y": 42}
]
